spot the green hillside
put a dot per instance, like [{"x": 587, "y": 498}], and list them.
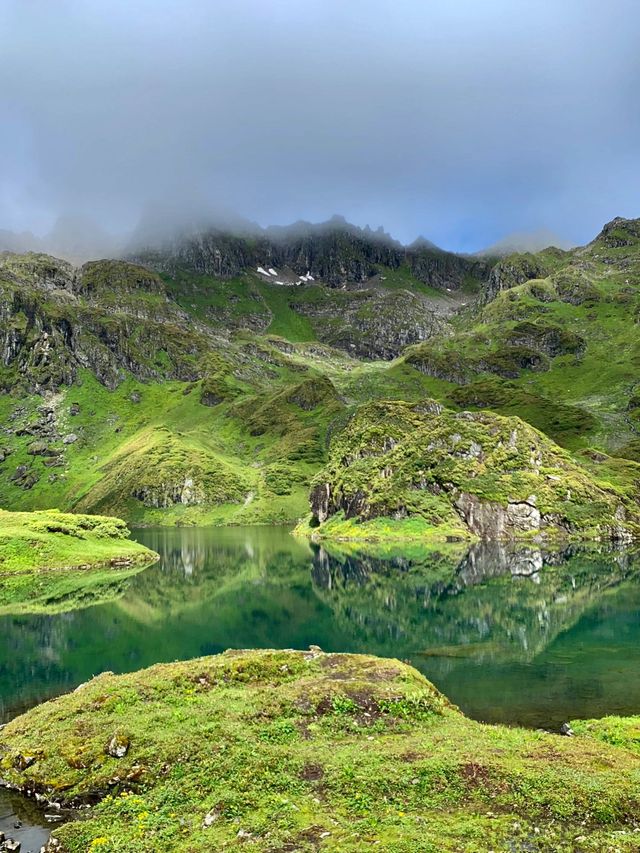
[{"x": 182, "y": 396}]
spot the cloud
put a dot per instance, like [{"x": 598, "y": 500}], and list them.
[{"x": 461, "y": 121}]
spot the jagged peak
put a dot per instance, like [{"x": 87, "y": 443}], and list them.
[
  {"x": 618, "y": 232},
  {"x": 421, "y": 242}
]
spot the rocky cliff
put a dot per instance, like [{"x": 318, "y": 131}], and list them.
[
  {"x": 491, "y": 476},
  {"x": 111, "y": 317},
  {"x": 334, "y": 252}
]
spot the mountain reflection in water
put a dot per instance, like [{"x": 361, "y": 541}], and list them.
[{"x": 511, "y": 634}]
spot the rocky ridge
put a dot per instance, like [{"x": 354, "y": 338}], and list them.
[{"x": 334, "y": 252}]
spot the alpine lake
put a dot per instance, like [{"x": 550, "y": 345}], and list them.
[{"x": 511, "y": 634}]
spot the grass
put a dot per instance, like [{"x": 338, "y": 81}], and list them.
[
  {"x": 54, "y": 560},
  {"x": 196, "y": 374},
  {"x": 580, "y": 396},
  {"x": 400, "y": 470},
  {"x": 291, "y": 750}
]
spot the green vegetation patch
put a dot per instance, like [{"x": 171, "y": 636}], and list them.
[
  {"x": 45, "y": 558},
  {"x": 284, "y": 750}
]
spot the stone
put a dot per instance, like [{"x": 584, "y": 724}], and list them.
[
  {"x": 210, "y": 818},
  {"x": 24, "y": 477},
  {"x": 118, "y": 746},
  {"x": 70, "y": 439},
  {"x": 41, "y": 448}
]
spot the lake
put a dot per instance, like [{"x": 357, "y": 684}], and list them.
[{"x": 510, "y": 635}]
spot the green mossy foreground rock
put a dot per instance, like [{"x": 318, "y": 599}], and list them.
[
  {"x": 306, "y": 751},
  {"x": 417, "y": 469},
  {"x": 53, "y": 560}
]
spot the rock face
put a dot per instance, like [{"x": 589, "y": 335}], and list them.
[
  {"x": 619, "y": 233},
  {"x": 163, "y": 495},
  {"x": 374, "y": 324},
  {"x": 494, "y": 521},
  {"x": 334, "y": 252},
  {"x": 514, "y": 270},
  {"x": 56, "y": 320},
  {"x": 498, "y": 476}
]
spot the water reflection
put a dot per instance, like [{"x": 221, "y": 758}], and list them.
[{"x": 511, "y": 634}]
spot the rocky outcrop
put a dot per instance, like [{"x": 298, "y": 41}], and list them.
[
  {"x": 334, "y": 252},
  {"x": 163, "y": 495},
  {"x": 548, "y": 338},
  {"x": 514, "y": 270},
  {"x": 445, "y": 270},
  {"x": 374, "y": 324},
  {"x": 55, "y": 320},
  {"x": 497, "y": 476},
  {"x": 494, "y": 521},
  {"x": 619, "y": 233}
]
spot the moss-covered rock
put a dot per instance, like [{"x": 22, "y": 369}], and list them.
[
  {"x": 497, "y": 477},
  {"x": 289, "y": 750}
]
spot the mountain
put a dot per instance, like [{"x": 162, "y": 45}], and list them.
[
  {"x": 211, "y": 378},
  {"x": 334, "y": 252},
  {"x": 526, "y": 241}
]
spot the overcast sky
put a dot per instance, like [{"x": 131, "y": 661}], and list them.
[{"x": 461, "y": 120}]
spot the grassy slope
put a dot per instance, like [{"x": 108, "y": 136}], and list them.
[
  {"x": 250, "y": 436},
  {"x": 287, "y": 750},
  {"x": 51, "y": 560},
  {"x": 583, "y": 401}
]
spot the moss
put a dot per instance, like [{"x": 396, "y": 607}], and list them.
[
  {"x": 575, "y": 288},
  {"x": 291, "y": 749},
  {"x": 402, "y": 460},
  {"x": 550, "y": 338},
  {"x": 282, "y": 479},
  {"x": 561, "y": 422},
  {"x": 509, "y": 361},
  {"x": 45, "y": 558},
  {"x": 450, "y": 366},
  {"x": 107, "y": 278}
]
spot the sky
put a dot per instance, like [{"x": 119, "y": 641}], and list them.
[{"x": 460, "y": 121}]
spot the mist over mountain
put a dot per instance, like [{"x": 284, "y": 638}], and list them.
[
  {"x": 534, "y": 241},
  {"x": 78, "y": 239},
  {"x": 460, "y": 123}
]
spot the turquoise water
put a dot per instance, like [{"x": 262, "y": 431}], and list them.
[{"x": 519, "y": 637}]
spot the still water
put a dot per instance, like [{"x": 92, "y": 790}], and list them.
[{"x": 511, "y": 636}]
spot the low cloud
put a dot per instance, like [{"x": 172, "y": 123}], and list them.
[{"x": 462, "y": 122}]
